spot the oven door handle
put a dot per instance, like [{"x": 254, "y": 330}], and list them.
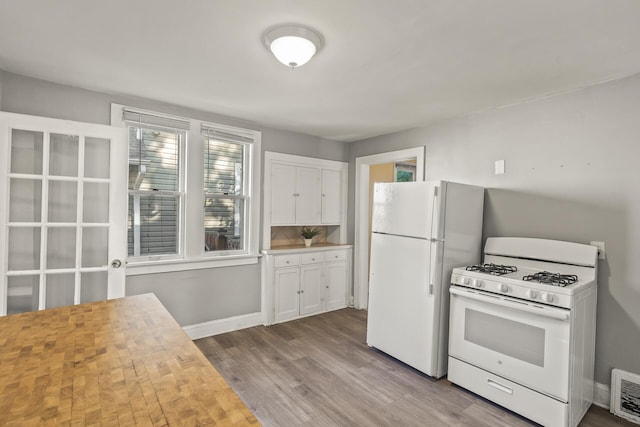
[{"x": 550, "y": 312}]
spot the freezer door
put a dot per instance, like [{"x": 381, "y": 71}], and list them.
[
  {"x": 404, "y": 208},
  {"x": 401, "y": 308}
]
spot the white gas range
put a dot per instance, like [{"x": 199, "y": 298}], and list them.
[{"x": 522, "y": 327}]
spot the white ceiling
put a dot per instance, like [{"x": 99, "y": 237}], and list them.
[{"x": 386, "y": 65}]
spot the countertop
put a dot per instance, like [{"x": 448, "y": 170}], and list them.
[
  {"x": 302, "y": 248},
  {"x": 118, "y": 362}
]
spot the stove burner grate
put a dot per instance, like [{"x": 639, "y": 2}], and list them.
[
  {"x": 554, "y": 279},
  {"x": 494, "y": 269}
]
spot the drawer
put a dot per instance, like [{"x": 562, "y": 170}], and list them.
[
  {"x": 287, "y": 260},
  {"x": 522, "y": 400},
  {"x": 336, "y": 255},
  {"x": 312, "y": 258}
]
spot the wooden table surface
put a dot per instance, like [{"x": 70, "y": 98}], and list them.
[{"x": 118, "y": 362}]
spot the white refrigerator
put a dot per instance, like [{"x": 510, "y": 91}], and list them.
[{"x": 420, "y": 232}]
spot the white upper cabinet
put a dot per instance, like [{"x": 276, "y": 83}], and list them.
[
  {"x": 304, "y": 191},
  {"x": 331, "y": 196},
  {"x": 295, "y": 195},
  {"x": 307, "y": 195},
  {"x": 283, "y": 194}
]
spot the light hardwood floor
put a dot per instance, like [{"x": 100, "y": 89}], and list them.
[{"x": 318, "y": 371}]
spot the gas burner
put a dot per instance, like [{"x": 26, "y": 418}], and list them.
[
  {"x": 554, "y": 279},
  {"x": 494, "y": 269}
]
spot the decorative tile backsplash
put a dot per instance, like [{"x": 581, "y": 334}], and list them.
[{"x": 290, "y": 235}]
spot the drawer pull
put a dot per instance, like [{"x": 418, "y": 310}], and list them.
[{"x": 499, "y": 386}]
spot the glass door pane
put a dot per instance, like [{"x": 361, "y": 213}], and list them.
[
  {"x": 24, "y": 245},
  {"x": 60, "y": 290},
  {"x": 94, "y": 286},
  {"x": 26, "y": 151},
  {"x": 25, "y": 200},
  {"x": 22, "y": 293},
  {"x": 63, "y": 155}
]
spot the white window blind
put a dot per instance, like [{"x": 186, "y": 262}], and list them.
[
  {"x": 155, "y": 183},
  {"x": 225, "y": 193},
  {"x": 155, "y": 119}
]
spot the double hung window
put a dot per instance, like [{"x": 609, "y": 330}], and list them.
[
  {"x": 156, "y": 185},
  {"x": 225, "y": 191},
  {"x": 192, "y": 195}
]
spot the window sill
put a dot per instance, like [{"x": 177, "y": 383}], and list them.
[{"x": 168, "y": 266}]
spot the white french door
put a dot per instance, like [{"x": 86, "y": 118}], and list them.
[{"x": 63, "y": 214}]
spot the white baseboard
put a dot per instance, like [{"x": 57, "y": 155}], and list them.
[
  {"x": 220, "y": 326},
  {"x": 601, "y": 395}
]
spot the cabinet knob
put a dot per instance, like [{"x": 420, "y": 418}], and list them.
[
  {"x": 313, "y": 259},
  {"x": 287, "y": 262}
]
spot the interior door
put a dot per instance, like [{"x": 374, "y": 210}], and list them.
[{"x": 63, "y": 223}]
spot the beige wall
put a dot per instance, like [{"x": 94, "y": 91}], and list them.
[{"x": 383, "y": 172}]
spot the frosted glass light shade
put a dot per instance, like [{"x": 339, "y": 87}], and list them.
[
  {"x": 293, "y": 51},
  {"x": 293, "y": 45}
]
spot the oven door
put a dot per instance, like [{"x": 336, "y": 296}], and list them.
[{"x": 524, "y": 342}]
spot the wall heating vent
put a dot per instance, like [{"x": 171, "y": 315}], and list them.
[{"x": 625, "y": 395}]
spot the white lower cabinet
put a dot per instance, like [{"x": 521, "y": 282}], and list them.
[{"x": 304, "y": 283}]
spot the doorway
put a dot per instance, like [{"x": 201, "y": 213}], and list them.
[{"x": 404, "y": 162}]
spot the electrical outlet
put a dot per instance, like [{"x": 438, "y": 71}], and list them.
[
  {"x": 600, "y": 246},
  {"x": 499, "y": 167}
]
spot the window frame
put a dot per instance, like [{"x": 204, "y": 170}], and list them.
[
  {"x": 181, "y": 193},
  {"x": 245, "y": 195},
  {"x": 191, "y": 227}
]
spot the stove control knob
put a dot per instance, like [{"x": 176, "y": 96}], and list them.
[
  {"x": 532, "y": 294},
  {"x": 465, "y": 280},
  {"x": 547, "y": 297},
  {"x": 502, "y": 287},
  {"x": 477, "y": 283}
]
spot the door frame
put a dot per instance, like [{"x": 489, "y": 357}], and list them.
[{"x": 361, "y": 239}]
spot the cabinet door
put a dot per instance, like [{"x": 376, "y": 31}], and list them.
[
  {"x": 283, "y": 194},
  {"x": 336, "y": 285},
  {"x": 308, "y": 196},
  {"x": 287, "y": 286},
  {"x": 331, "y": 196},
  {"x": 311, "y": 289}
]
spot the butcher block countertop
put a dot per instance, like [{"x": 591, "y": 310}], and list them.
[{"x": 119, "y": 362}]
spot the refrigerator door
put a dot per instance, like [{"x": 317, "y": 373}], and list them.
[
  {"x": 401, "y": 307},
  {"x": 403, "y": 208}
]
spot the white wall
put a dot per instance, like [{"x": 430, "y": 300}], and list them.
[
  {"x": 572, "y": 173},
  {"x": 196, "y": 296}
]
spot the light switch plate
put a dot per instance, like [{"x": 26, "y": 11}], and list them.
[
  {"x": 601, "y": 249},
  {"x": 499, "y": 167}
]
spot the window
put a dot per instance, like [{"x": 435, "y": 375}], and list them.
[
  {"x": 225, "y": 195},
  {"x": 405, "y": 171},
  {"x": 155, "y": 190},
  {"x": 191, "y": 194}
]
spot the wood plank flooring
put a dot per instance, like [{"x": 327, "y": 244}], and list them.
[{"x": 318, "y": 371}]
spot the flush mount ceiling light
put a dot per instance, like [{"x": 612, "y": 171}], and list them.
[{"x": 293, "y": 45}]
